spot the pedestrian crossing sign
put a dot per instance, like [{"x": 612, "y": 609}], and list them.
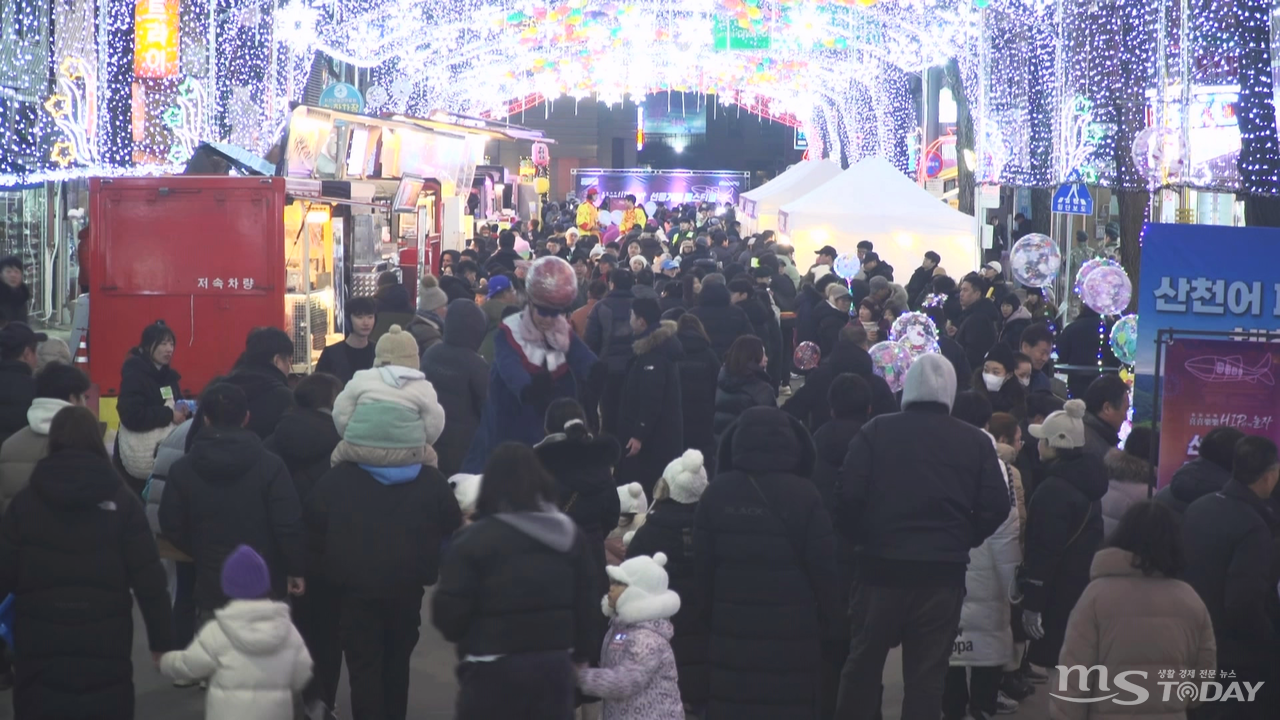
[{"x": 1072, "y": 197}]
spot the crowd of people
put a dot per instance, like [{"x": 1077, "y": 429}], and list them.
[{"x": 586, "y": 441}]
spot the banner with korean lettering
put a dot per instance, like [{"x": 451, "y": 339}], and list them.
[
  {"x": 1213, "y": 383},
  {"x": 1203, "y": 278},
  {"x": 673, "y": 188}
]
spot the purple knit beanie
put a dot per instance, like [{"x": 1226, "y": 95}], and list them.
[{"x": 245, "y": 575}]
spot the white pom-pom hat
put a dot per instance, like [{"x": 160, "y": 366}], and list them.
[
  {"x": 631, "y": 499},
  {"x": 686, "y": 477},
  {"x": 1063, "y": 429},
  {"x": 647, "y": 596}
]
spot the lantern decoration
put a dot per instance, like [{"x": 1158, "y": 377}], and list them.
[
  {"x": 541, "y": 185},
  {"x": 541, "y": 155},
  {"x": 155, "y": 38}
]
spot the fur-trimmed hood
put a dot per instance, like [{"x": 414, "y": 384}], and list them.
[
  {"x": 1124, "y": 467},
  {"x": 665, "y": 331}
]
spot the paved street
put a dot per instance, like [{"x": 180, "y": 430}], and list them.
[{"x": 431, "y": 693}]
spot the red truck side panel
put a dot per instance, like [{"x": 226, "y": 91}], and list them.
[{"x": 204, "y": 254}]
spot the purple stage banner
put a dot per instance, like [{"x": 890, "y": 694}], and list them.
[{"x": 672, "y": 188}]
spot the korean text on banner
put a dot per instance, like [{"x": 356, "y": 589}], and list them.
[
  {"x": 1215, "y": 383},
  {"x": 1203, "y": 278}
]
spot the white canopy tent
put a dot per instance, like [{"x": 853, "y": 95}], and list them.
[
  {"x": 874, "y": 201},
  {"x": 760, "y": 206}
]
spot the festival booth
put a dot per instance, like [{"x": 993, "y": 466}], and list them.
[
  {"x": 874, "y": 201},
  {"x": 760, "y": 206}
]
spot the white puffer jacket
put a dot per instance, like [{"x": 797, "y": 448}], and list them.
[
  {"x": 252, "y": 657},
  {"x": 985, "y": 638}
]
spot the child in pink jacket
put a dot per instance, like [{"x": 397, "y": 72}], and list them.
[{"x": 637, "y": 677}]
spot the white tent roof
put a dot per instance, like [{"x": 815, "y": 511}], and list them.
[
  {"x": 873, "y": 200},
  {"x": 797, "y": 180}
]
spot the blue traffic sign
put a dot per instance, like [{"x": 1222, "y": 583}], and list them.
[{"x": 1072, "y": 197}]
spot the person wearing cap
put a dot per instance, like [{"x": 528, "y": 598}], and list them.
[
  {"x": 873, "y": 267},
  {"x": 251, "y": 655},
  {"x": 921, "y": 278},
  {"x": 537, "y": 358},
  {"x": 343, "y": 359},
  {"x": 1064, "y": 530},
  {"x": 427, "y": 325},
  {"x": 500, "y": 301},
  {"x": 995, "y": 381},
  {"x": 227, "y": 491},
  {"x": 993, "y": 273},
  {"x": 18, "y": 359},
  {"x": 76, "y": 552},
  {"x": 668, "y": 523},
  {"x": 588, "y": 216},
  {"x": 911, "y": 566},
  {"x": 14, "y": 293},
  {"x": 826, "y": 255}
]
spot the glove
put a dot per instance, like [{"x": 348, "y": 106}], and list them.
[{"x": 1031, "y": 625}]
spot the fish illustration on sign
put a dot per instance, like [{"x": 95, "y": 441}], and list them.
[{"x": 1211, "y": 368}]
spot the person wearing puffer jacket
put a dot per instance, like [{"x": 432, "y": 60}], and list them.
[
  {"x": 1129, "y": 474},
  {"x": 395, "y": 396},
  {"x": 668, "y": 529},
  {"x": 181, "y": 568},
  {"x": 1206, "y": 474},
  {"x": 251, "y": 655},
  {"x": 984, "y": 643},
  {"x": 1136, "y": 615},
  {"x": 57, "y": 387},
  {"x": 638, "y": 675}
]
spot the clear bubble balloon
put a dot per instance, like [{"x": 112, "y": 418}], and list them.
[
  {"x": 847, "y": 265},
  {"x": 891, "y": 361},
  {"x": 1107, "y": 290},
  {"x": 1088, "y": 267},
  {"x": 650, "y": 208},
  {"x": 1035, "y": 260},
  {"x": 1124, "y": 339},
  {"x": 615, "y": 217},
  {"x": 916, "y": 332},
  {"x": 806, "y": 356}
]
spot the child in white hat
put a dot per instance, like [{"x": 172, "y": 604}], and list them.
[
  {"x": 632, "y": 508},
  {"x": 637, "y": 673}
]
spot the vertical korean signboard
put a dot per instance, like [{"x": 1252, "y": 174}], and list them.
[
  {"x": 156, "y": 35},
  {"x": 1204, "y": 278},
  {"x": 1215, "y": 383}
]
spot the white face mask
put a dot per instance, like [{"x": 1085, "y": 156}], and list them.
[
  {"x": 993, "y": 382},
  {"x": 1025, "y": 382}
]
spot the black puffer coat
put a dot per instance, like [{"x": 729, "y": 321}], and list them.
[
  {"x": 832, "y": 444},
  {"x": 609, "y": 330},
  {"x": 1191, "y": 482},
  {"x": 73, "y": 546},
  {"x": 649, "y": 398},
  {"x": 764, "y": 325},
  {"x": 828, "y": 321},
  {"x": 17, "y": 390},
  {"x": 764, "y": 556},
  {"x": 269, "y": 399},
  {"x": 518, "y": 582},
  {"x": 699, "y": 370},
  {"x": 13, "y": 302},
  {"x": 1230, "y": 563},
  {"x": 227, "y": 491},
  {"x": 305, "y": 440},
  {"x": 737, "y": 393},
  {"x": 461, "y": 379},
  {"x": 587, "y": 493},
  {"x": 668, "y": 528},
  {"x": 1064, "y": 530},
  {"x": 809, "y": 403},
  {"x": 978, "y": 330},
  {"x": 142, "y": 385},
  {"x": 723, "y": 321}
]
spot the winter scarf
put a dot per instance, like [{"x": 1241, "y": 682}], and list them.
[{"x": 542, "y": 349}]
